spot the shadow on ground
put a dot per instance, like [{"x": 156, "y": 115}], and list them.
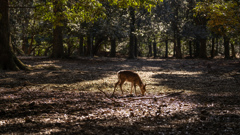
[
  {"x": 29, "y": 111},
  {"x": 210, "y": 102}
]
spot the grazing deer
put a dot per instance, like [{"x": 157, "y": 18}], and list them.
[{"x": 130, "y": 76}]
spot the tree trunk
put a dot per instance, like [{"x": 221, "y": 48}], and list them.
[
  {"x": 197, "y": 48},
  {"x": 98, "y": 43},
  {"x": 213, "y": 46},
  {"x": 174, "y": 47},
  {"x": 203, "y": 48},
  {"x": 217, "y": 46},
  {"x": 8, "y": 60},
  {"x": 233, "y": 51},
  {"x": 190, "y": 48},
  {"x": 81, "y": 49},
  {"x": 135, "y": 46},
  {"x": 113, "y": 48},
  {"x": 166, "y": 51},
  {"x": 149, "y": 49},
  {"x": 31, "y": 43},
  {"x": 57, "y": 33},
  {"x": 89, "y": 51},
  {"x": 226, "y": 47},
  {"x": 178, "y": 48},
  {"x": 154, "y": 48},
  {"x": 131, "y": 43},
  {"x": 57, "y": 43}
]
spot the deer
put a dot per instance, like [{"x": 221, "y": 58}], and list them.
[{"x": 130, "y": 76}]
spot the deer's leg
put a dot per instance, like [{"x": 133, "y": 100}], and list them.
[
  {"x": 135, "y": 89},
  {"x": 121, "y": 83},
  {"x": 131, "y": 88},
  {"x": 116, "y": 84}
]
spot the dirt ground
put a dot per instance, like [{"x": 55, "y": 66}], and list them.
[{"x": 72, "y": 96}]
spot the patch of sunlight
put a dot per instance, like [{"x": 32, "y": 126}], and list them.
[{"x": 185, "y": 73}]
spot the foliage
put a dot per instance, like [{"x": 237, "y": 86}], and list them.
[
  {"x": 148, "y": 4},
  {"x": 110, "y": 19},
  {"x": 78, "y": 11},
  {"x": 223, "y": 15}
]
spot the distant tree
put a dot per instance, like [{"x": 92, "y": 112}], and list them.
[
  {"x": 61, "y": 12},
  {"x": 222, "y": 18},
  {"x": 132, "y": 5}
]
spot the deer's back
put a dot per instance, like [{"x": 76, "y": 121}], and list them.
[{"x": 128, "y": 76}]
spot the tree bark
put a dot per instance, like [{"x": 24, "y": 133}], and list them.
[
  {"x": 203, "y": 48},
  {"x": 57, "y": 33},
  {"x": 174, "y": 47},
  {"x": 166, "y": 50},
  {"x": 81, "y": 48},
  {"x": 178, "y": 48},
  {"x": 8, "y": 60},
  {"x": 217, "y": 47},
  {"x": 135, "y": 46},
  {"x": 233, "y": 51},
  {"x": 89, "y": 51},
  {"x": 213, "y": 46},
  {"x": 154, "y": 49},
  {"x": 226, "y": 47},
  {"x": 197, "y": 48},
  {"x": 57, "y": 43},
  {"x": 149, "y": 49}
]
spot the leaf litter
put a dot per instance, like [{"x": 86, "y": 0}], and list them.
[{"x": 63, "y": 97}]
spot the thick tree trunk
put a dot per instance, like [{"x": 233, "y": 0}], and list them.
[
  {"x": 57, "y": 33},
  {"x": 226, "y": 47},
  {"x": 8, "y": 60},
  {"x": 197, "y": 48},
  {"x": 178, "y": 48},
  {"x": 57, "y": 43},
  {"x": 203, "y": 48}
]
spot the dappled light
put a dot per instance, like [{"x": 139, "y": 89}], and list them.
[
  {"x": 73, "y": 99},
  {"x": 64, "y": 64}
]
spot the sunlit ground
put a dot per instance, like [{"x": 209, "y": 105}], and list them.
[{"x": 208, "y": 102}]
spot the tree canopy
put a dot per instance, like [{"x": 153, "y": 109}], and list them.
[
  {"x": 223, "y": 15},
  {"x": 65, "y": 28}
]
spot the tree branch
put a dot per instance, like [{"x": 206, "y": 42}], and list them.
[{"x": 108, "y": 96}]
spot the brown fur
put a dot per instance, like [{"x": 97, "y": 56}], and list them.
[{"x": 130, "y": 76}]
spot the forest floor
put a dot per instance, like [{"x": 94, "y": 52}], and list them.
[{"x": 72, "y": 96}]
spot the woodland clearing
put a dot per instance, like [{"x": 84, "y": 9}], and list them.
[{"x": 69, "y": 96}]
